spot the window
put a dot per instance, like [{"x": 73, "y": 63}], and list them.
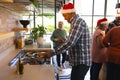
[{"x": 85, "y": 9}]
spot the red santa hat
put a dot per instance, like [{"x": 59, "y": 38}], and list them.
[
  {"x": 68, "y": 8},
  {"x": 100, "y": 21}
]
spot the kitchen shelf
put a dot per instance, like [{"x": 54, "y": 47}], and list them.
[
  {"x": 21, "y": 29},
  {"x": 5, "y": 35}
]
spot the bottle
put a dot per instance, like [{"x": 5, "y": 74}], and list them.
[
  {"x": 20, "y": 43},
  {"x": 20, "y": 67}
]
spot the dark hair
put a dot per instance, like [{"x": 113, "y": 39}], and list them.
[{"x": 101, "y": 25}]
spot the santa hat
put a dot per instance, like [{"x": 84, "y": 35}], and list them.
[
  {"x": 68, "y": 8},
  {"x": 101, "y": 21},
  {"x": 118, "y": 14}
]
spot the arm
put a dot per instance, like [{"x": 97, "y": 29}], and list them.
[
  {"x": 52, "y": 36},
  {"x": 99, "y": 41},
  {"x": 106, "y": 39},
  {"x": 75, "y": 33}
]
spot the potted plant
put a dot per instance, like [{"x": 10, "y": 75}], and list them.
[{"x": 37, "y": 33}]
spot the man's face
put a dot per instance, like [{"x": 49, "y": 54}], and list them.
[
  {"x": 60, "y": 25},
  {"x": 66, "y": 16}
]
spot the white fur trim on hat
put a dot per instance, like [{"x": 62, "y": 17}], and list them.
[
  {"x": 104, "y": 22},
  {"x": 68, "y": 11}
]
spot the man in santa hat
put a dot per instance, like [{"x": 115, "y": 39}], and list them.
[{"x": 77, "y": 43}]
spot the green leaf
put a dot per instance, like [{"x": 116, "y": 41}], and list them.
[
  {"x": 38, "y": 31},
  {"x": 35, "y": 3}
]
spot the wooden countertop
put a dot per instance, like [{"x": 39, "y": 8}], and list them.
[{"x": 31, "y": 72}]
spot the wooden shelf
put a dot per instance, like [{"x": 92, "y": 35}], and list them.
[
  {"x": 21, "y": 29},
  {"x": 5, "y": 35}
]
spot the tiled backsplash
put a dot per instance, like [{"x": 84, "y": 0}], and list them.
[{"x": 8, "y": 20}]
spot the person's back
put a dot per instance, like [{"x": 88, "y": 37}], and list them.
[
  {"x": 112, "y": 42},
  {"x": 113, "y": 50},
  {"x": 97, "y": 51}
]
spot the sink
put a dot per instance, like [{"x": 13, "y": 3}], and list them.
[
  {"x": 32, "y": 58},
  {"x": 28, "y": 57}
]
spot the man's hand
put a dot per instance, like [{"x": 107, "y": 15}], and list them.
[
  {"x": 42, "y": 54},
  {"x": 59, "y": 40},
  {"x": 45, "y": 54}
]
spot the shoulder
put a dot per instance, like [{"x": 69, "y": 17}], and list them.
[
  {"x": 55, "y": 31},
  {"x": 115, "y": 28},
  {"x": 81, "y": 22}
]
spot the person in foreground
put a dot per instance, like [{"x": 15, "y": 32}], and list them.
[
  {"x": 98, "y": 49},
  {"x": 112, "y": 42},
  {"x": 77, "y": 43},
  {"x": 58, "y": 37}
]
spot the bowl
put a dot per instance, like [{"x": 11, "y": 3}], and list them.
[{"x": 24, "y": 23}]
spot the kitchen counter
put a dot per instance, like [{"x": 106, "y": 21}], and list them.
[{"x": 31, "y": 72}]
